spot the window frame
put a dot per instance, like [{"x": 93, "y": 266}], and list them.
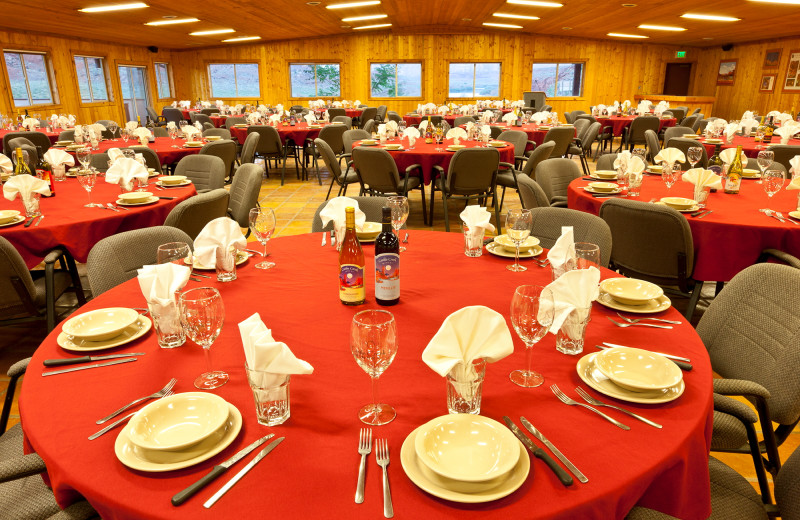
[
  {"x": 397, "y": 62},
  {"x": 234, "y": 63},
  {"x": 289, "y": 64},
  {"x": 570, "y": 61},
  {"x": 475, "y": 62},
  {"x": 106, "y": 78},
  {"x": 170, "y": 80},
  {"x": 48, "y": 61}
]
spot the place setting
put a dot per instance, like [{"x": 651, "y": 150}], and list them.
[
  {"x": 173, "y": 181},
  {"x": 103, "y": 329}
]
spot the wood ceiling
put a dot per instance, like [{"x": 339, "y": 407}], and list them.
[{"x": 293, "y": 19}]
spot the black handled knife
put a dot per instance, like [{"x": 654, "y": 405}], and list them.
[
  {"x": 538, "y": 452},
  {"x": 86, "y": 359}
]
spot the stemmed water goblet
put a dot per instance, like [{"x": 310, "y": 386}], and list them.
[
  {"x": 399, "y": 206},
  {"x": 373, "y": 342},
  {"x": 772, "y": 181},
  {"x": 764, "y": 159},
  {"x": 694, "y": 154},
  {"x": 113, "y": 129},
  {"x": 173, "y": 252},
  {"x": 668, "y": 175},
  {"x": 518, "y": 229},
  {"x": 173, "y": 134},
  {"x": 262, "y": 223},
  {"x": 202, "y": 315},
  {"x": 532, "y": 311},
  {"x": 87, "y": 177},
  {"x": 125, "y": 135}
]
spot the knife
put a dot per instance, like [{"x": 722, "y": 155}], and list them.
[
  {"x": 224, "y": 489},
  {"x": 562, "y": 475},
  {"x": 683, "y": 366},
  {"x": 668, "y": 356},
  {"x": 167, "y": 198},
  {"x": 570, "y": 466},
  {"x": 39, "y": 221},
  {"x": 98, "y": 365},
  {"x": 29, "y": 222},
  {"x": 86, "y": 359},
  {"x": 707, "y": 213},
  {"x": 218, "y": 470}
]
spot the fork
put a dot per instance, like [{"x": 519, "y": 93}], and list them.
[
  {"x": 542, "y": 263},
  {"x": 623, "y": 325},
  {"x": 637, "y": 320},
  {"x": 780, "y": 216},
  {"x": 382, "y": 458},
  {"x": 591, "y": 400},
  {"x": 110, "y": 205},
  {"x": 155, "y": 395},
  {"x": 364, "y": 449},
  {"x": 566, "y": 400},
  {"x": 770, "y": 213},
  {"x": 405, "y": 239},
  {"x": 120, "y": 421},
  {"x": 112, "y": 208}
]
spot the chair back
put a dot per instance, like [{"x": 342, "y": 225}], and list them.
[
  {"x": 348, "y": 121},
  {"x": 15, "y": 278},
  {"x": 676, "y": 131},
  {"x": 547, "y": 224},
  {"x": 66, "y": 135},
  {"x": 152, "y": 114},
  {"x": 332, "y": 134},
  {"x": 689, "y": 121},
  {"x": 784, "y": 153},
  {"x": 207, "y": 172},
  {"x": 329, "y": 157},
  {"x": 351, "y": 136},
  {"x": 580, "y": 128},
  {"x": 393, "y": 116},
  {"x": 194, "y": 213},
  {"x": 653, "y": 146},
  {"x": 368, "y": 114},
  {"x": 786, "y": 485},
  {"x": 99, "y": 161},
  {"x": 150, "y": 157},
  {"x": 531, "y": 193},
  {"x": 225, "y": 149},
  {"x": 700, "y": 125},
  {"x": 269, "y": 142},
  {"x": 172, "y": 115},
  {"x": 539, "y": 154},
  {"x": 569, "y": 117},
  {"x": 35, "y": 138},
  {"x": 248, "y": 154},
  {"x": 678, "y": 113},
  {"x": 590, "y": 135},
  {"x": 380, "y": 115},
  {"x": 495, "y": 131},
  {"x": 221, "y": 132},
  {"x": 203, "y": 118},
  {"x": 546, "y": 108},
  {"x": 334, "y": 112},
  {"x": 473, "y": 171},
  {"x": 371, "y": 126},
  {"x": 371, "y": 206},
  {"x": 160, "y": 131},
  {"x": 554, "y": 175},
  {"x": 516, "y": 137},
  {"x": 463, "y": 120},
  {"x": 639, "y": 125},
  {"x": 244, "y": 191},
  {"x": 376, "y": 169},
  {"x": 562, "y": 136},
  {"x": 106, "y": 123},
  {"x": 27, "y": 146},
  {"x": 207, "y": 126},
  {"x": 433, "y": 119},
  {"x": 606, "y": 162},
  {"x": 234, "y": 120},
  {"x": 209, "y": 111},
  {"x": 683, "y": 144}
]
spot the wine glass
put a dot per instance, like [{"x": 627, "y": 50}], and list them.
[
  {"x": 113, "y": 129},
  {"x": 84, "y": 156},
  {"x": 518, "y": 229},
  {"x": 399, "y": 205},
  {"x": 532, "y": 310},
  {"x": 373, "y": 342},
  {"x": 202, "y": 315},
  {"x": 764, "y": 159},
  {"x": 668, "y": 175},
  {"x": 125, "y": 135},
  {"x": 772, "y": 181},
  {"x": 694, "y": 154},
  {"x": 262, "y": 223},
  {"x": 87, "y": 177},
  {"x": 173, "y": 252}
]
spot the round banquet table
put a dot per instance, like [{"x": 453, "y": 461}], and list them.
[
  {"x": 415, "y": 120},
  {"x": 727, "y": 240},
  {"x": 429, "y": 155},
  {"x": 219, "y": 121},
  {"x": 618, "y": 123},
  {"x": 162, "y": 146},
  {"x": 69, "y": 224},
  {"x": 297, "y": 133},
  {"x": 315, "y": 468},
  {"x": 52, "y": 135},
  {"x": 749, "y": 145}
]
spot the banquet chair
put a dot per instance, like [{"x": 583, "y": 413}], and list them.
[
  {"x": 208, "y": 126},
  {"x": 495, "y": 131},
  {"x": 115, "y": 259},
  {"x": 472, "y": 175},
  {"x": 269, "y": 146},
  {"x": 653, "y": 243},
  {"x": 689, "y": 121},
  {"x": 700, "y": 126},
  {"x": 531, "y": 194},
  {"x": 520, "y": 141},
  {"x": 195, "y": 117},
  {"x": 248, "y": 154},
  {"x": 547, "y": 223},
  {"x": 194, "y": 213},
  {"x": 562, "y": 136},
  {"x": 634, "y": 134},
  {"x": 107, "y": 134},
  {"x": 675, "y": 131},
  {"x": 98, "y": 161},
  {"x": 244, "y": 194},
  {"x": 172, "y": 115},
  {"x": 569, "y": 117},
  {"x": 784, "y": 153},
  {"x": 36, "y": 139},
  {"x": 66, "y": 135},
  {"x": 583, "y": 144},
  {"x": 209, "y": 111},
  {"x": 334, "y": 112},
  {"x": 368, "y": 114},
  {"x": 679, "y": 113},
  {"x": 752, "y": 164},
  {"x": 580, "y": 127},
  {"x": 26, "y": 146},
  {"x": 234, "y": 120},
  {"x": 32, "y": 295},
  {"x": 333, "y": 136},
  {"x": 371, "y": 126},
  {"x": 160, "y": 131},
  {"x": 683, "y": 144},
  {"x": 463, "y": 120},
  {"x": 371, "y": 206},
  {"x": 207, "y": 172},
  {"x": 554, "y": 175},
  {"x": 221, "y": 132},
  {"x": 226, "y": 150},
  {"x": 510, "y": 177},
  {"x": 653, "y": 146},
  {"x": 606, "y": 162},
  {"x": 378, "y": 175},
  {"x": 393, "y": 116},
  {"x": 380, "y": 115},
  {"x": 334, "y": 167},
  {"x": 696, "y": 111},
  {"x": 154, "y": 117},
  {"x": 433, "y": 119},
  {"x": 150, "y": 157},
  {"x": 604, "y": 136},
  {"x": 546, "y": 108},
  {"x": 348, "y": 121}
]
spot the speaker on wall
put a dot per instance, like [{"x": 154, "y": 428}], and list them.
[
  {"x": 152, "y": 48},
  {"x": 727, "y": 47}
]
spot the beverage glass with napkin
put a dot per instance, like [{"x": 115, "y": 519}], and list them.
[
  {"x": 29, "y": 189},
  {"x": 160, "y": 284},
  {"x": 124, "y": 171},
  {"x": 787, "y": 131},
  {"x": 475, "y": 220},
  {"x": 670, "y": 156},
  {"x": 562, "y": 254},
  {"x": 216, "y": 246},
  {"x": 703, "y": 181},
  {"x": 334, "y": 211},
  {"x": 412, "y": 134},
  {"x": 456, "y": 134},
  {"x": 573, "y": 294},
  {"x": 795, "y": 183},
  {"x": 59, "y": 160}
]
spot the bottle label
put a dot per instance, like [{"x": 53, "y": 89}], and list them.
[
  {"x": 351, "y": 283},
  {"x": 716, "y": 169},
  {"x": 387, "y": 276}
]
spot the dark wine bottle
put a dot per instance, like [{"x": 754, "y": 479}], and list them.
[
  {"x": 387, "y": 263},
  {"x": 45, "y": 171}
]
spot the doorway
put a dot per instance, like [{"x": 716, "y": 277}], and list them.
[
  {"x": 677, "y": 78},
  {"x": 135, "y": 94}
]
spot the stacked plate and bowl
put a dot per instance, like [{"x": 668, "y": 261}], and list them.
[{"x": 102, "y": 329}]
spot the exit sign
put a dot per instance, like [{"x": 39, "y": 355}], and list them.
[{"x": 680, "y": 54}]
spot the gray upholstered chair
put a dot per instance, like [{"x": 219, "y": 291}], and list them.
[
  {"x": 531, "y": 194},
  {"x": 115, "y": 259},
  {"x": 520, "y": 141},
  {"x": 370, "y": 126},
  {"x": 653, "y": 146},
  {"x": 689, "y": 121},
  {"x": 209, "y": 111},
  {"x": 380, "y": 115},
  {"x": 378, "y": 175},
  {"x": 562, "y": 136},
  {"x": 368, "y": 114},
  {"x": 653, "y": 243},
  {"x": 194, "y": 213},
  {"x": 98, "y": 161},
  {"x": 244, "y": 194},
  {"x": 784, "y": 153},
  {"x": 26, "y": 146},
  {"x": 248, "y": 154},
  {"x": 331, "y": 134},
  {"x": 582, "y": 145},
  {"x": 66, "y": 135},
  {"x": 472, "y": 175},
  {"x": 700, "y": 125},
  {"x": 199, "y": 116},
  {"x": 36, "y": 139},
  {"x": 554, "y": 175},
  {"x": 224, "y": 133},
  {"x": 150, "y": 157},
  {"x": 343, "y": 179},
  {"x": 336, "y": 112},
  {"x": 675, "y": 131},
  {"x": 679, "y": 113},
  {"x": 269, "y": 146},
  {"x": 160, "y": 131},
  {"x": 463, "y": 120},
  {"x": 345, "y": 120},
  {"x": 173, "y": 115},
  {"x": 207, "y": 172},
  {"x": 371, "y": 206},
  {"x": 509, "y": 178},
  {"x": 547, "y": 223},
  {"x": 683, "y": 144},
  {"x": 234, "y": 120},
  {"x": 226, "y": 150},
  {"x": 393, "y": 116},
  {"x": 634, "y": 133},
  {"x": 154, "y": 117}
]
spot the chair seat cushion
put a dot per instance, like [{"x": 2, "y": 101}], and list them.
[
  {"x": 506, "y": 179},
  {"x": 61, "y": 281},
  {"x": 728, "y": 433}
]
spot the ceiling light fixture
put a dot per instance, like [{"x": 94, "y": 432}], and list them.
[
  {"x": 214, "y": 31},
  {"x": 661, "y": 27},
  {"x": 313, "y": 4},
  {"x": 503, "y": 25},
  {"x": 242, "y": 39},
  {"x": 366, "y": 17},
  {"x": 781, "y": 2},
  {"x": 117, "y": 7},
  {"x": 352, "y": 4},
  {"x": 535, "y": 3},
  {"x": 521, "y": 17},
  {"x": 373, "y": 26},
  {"x": 623, "y": 35},
  {"x": 170, "y": 22},
  {"x": 711, "y": 17}
]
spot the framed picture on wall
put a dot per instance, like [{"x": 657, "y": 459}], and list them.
[
  {"x": 767, "y": 83},
  {"x": 727, "y": 72},
  {"x": 792, "y": 81},
  {"x": 772, "y": 58}
]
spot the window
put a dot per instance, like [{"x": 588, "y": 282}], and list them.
[
  {"x": 315, "y": 79},
  {"x": 29, "y": 78},
  {"x": 91, "y": 78},
  {"x": 474, "y": 80},
  {"x": 163, "y": 80},
  {"x": 558, "y": 79},
  {"x": 234, "y": 80},
  {"x": 396, "y": 79}
]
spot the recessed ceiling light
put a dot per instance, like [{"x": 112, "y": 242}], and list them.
[
  {"x": 521, "y": 17},
  {"x": 373, "y": 26},
  {"x": 466, "y": 19},
  {"x": 366, "y": 17},
  {"x": 503, "y": 25},
  {"x": 169, "y": 17},
  {"x": 623, "y": 35},
  {"x": 117, "y": 7},
  {"x": 566, "y": 28},
  {"x": 242, "y": 39},
  {"x": 214, "y": 31},
  {"x": 535, "y": 3},
  {"x": 345, "y": 26},
  {"x": 661, "y": 27},
  {"x": 708, "y": 38},
  {"x": 313, "y": 3},
  {"x": 783, "y": 2},
  {"x": 173, "y": 21},
  {"x": 629, "y": 5},
  {"x": 712, "y": 17},
  {"x": 352, "y": 4}
]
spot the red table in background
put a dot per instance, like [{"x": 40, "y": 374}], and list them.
[
  {"x": 68, "y": 223},
  {"x": 749, "y": 145},
  {"x": 729, "y": 239},
  {"x": 412, "y": 120},
  {"x": 162, "y": 147},
  {"x": 618, "y": 123},
  {"x": 297, "y": 133},
  {"x": 314, "y": 470},
  {"x": 219, "y": 121},
  {"x": 53, "y": 136}
]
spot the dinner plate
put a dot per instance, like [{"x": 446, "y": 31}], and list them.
[
  {"x": 657, "y": 305},
  {"x": 604, "y": 179},
  {"x": 144, "y": 202},
  {"x": 19, "y": 219},
  {"x": 393, "y": 149},
  {"x": 687, "y": 210},
  {"x": 604, "y": 192},
  {"x": 367, "y": 144},
  {"x": 135, "y": 331},
  {"x": 638, "y": 370},
  {"x": 124, "y": 448},
  {"x": 241, "y": 257},
  {"x": 714, "y": 141},
  {"x": 184, "y": 183},
  {"x": 795, "y": 215},
  {"x": 432, "y": 483},
  {"x": 498, "y": 250},
  {"x": 455, "y": 147},
  {"x": 592, "y": 376},
  {"x": 192, "y": 145}
]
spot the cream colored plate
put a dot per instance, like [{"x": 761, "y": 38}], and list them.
[
  {"x": 691, "y": 136},
  {"x": 498, "y": 144},
  {"x": 17, "y": 220},
  {"x": 590, "y": 375},
  {"x": 368, "y": 144},
  {"x": 504, "y": 241},
  {"x": 135, "y": 331},
  {"x": 145, "y": 202},
  {"x": 658, "y": 305},
  {"x": 393, "y": 148},
  {"x": 499, "y": 250},
  {"x": 713, "y": 141},
  {"x": 430, "y": 482},
  {"x": 184, "y": 183},
  {"x": 638, "y": 370},
  {"x": 241, "y": 257},
  {"x": 689, "y": 210},
  {"x": 192, "y": 145},
  {"x": 604, "y": 179},
  {"x": 124, "y": 448},
  {"x": 631, "y": 291},
  {"x": 604, "y": 192},
  {"x": 795, "y": 214},
  {"x": 455, "y": 148},
  {"x": 100, "y": 324}
]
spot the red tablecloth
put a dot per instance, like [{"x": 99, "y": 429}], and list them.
[
  {"x": 219, "y": 121},
  {"x": 187, "y": 114},
  {"x": 314, "y": 470},
  {"x": 412, "y": 120},
  {"x": 749, "y": 145},
  {"x": 297, "y": 133},
  {"x": 67, "y": 223},
  {"x": 162, "y": 146},
  {"x": 53, "y": 136},
  {"x": 618, "y": 123},
  {"x": 729, "y": 239}
]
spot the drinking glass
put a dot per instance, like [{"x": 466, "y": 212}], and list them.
[
  {"x": 262, "y": 223},
  {"x": 532, "y": 310},
  {"x": 399, "y": 205},
  {"x": 668, "y": 174},
  {"x": 641, "y": 153},
  {"x": 125, "y": 135},
  {"x": 202, "y": 315},
  {"x": 373, "y": 342},
  {"x": 694, "y": 154},
  {"x": 113, "y": 129},
  {"x": 173, "y": 134},
  {"x": 87, "y": 178},
  {"x": 772, "y": 182},
  {"x": 173, "y": 252},
  {"x": 518, "y": 229},
  {"x": 84, "y": 156},
  {"x": 765, "y": 158},
  {"x": 586, "y": 255}
]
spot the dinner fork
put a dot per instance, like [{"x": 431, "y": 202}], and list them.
[
  {"x": 116, "y": 207},
  {"x": 154, "y": 395},
  {"x": 382, "y": 458},
  {"x": 623, "y": 325},
  {"x": 542, "y": 263},
  {"x": 120, "y": 421},
  {"x": 780, "y": 216},
  {"x": 566, "y": 400},
  {"x": 591, "y": 400},
  {"x": 637, "y": 320},
  {"x": 364, "y": 449}
]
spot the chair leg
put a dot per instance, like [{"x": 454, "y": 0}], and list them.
[
  {"x": 433, "y": 198},
  {"x": 331, "y": 188},
  {"x": 424, "y": 209},
  {"x": 283, "y": 172},
  {"x": 698, "y": 287},
  {"x": 50, "y": 297},
  {"x": 446, "y": 219},
  {"x": 497, "y": 214}
]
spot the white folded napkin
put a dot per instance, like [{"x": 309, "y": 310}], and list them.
[
  {"x": 143, "y": 134},
  {"x": 189, "y": 132},
  {"x": 794, "y": 164},
  {"x": 423, "y": 125},
  {"x": 718, "y": 124},
  {"x": 185, "y": 104},
  {"x": 787, "y": 131},
  {"x": 748, "y": 125},
  {"x": 470, "y": 126},
  {"x": 30, "y": 123},
  {"x": 562, "y": 254},
  {"x": 540, "y": 117},
  {"x": 25, "y": 185},
  {"x": 334, "y": 211},
  {"x": 629, "y": 162},
  {"x": 310, "y": 118},
  {"x": 702, "y": 178},
  {"x": 199, "y": 126},
  {"x": 264, "y": 354},
  {"x": 486, "y": 116},
  {"x": 114, "y": 154},
  {"x": 455, "y": 134},
  {"x": 670, "y": 156},
  {"x": 391, "y": 126},
  {"x": 124, "y": 170},
  {"x": 58, "y": 157},
  {"x": 466, "y": 335},
  {"x": 253, "y": 118},
  {"x": 729, "y": 154},
  {"x": 573, "y": 294},
  {"x": 159, "y": 283},
  {"x": 510, "y": 118},
  {"x": 64, "y": 121},
  {"x": 730, "y": 130},
  {"x": 219, "y": 103},
  {"x": 478, "y": 220},
  {"x": 381, "y": 129},
  {"x": 276, "y": 118},
  {"x": 748, "y": 114},
  {"x": 221, "y": 233},
  {"x": 783, "y": 117},
  {"x": 794, "y": 185},
  {"x": 6, "y": 166},
  {"x": 411, "y": 132},
  {"x": 337, "y": 104},
  {"x": 443, "y": 109},
  {"x": 174, "y": 104},
  {"x": 486, "y": 130},
  {"x": 54, "y": 119},
  {"x": 357, "y": 103},
  {"x": 78, "y": 134},
  {"x": 205, "y": 104},
  {"x": 130, "y": 126},
  {"x": 72, "y": 120}
]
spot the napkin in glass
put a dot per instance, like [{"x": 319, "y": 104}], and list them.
[
  {"x": 6, "y": 166},
  {"x": 78, "y": 134},
  {"x": 30, "y": 123},
  {"x": 253, "y": 118},
  {"x": 573, "y": 294},
  {"x": 334, "y": 211},
  {"x": 114, "y": 154},
  {"x": 392, "y": 126},
  {"x": 629, "y": 163},
  {"x": 486, "y": 130},
  {"x": 412, "y": 134},
  {"x": 310, "y": 118},
  {"x": 510, "y": 118},
  {"x": 423, "y": 125},
  {"x": 670, "y": 156},
  {"x": 478, "y": 220},
  {"x": 123, "y": 170},
  {"x": 787, "y": 131},
  {"x": 130, "y": 126},
  {"x": 729, "y": 154},
  {"x": 702, "y": 178},
  {"x": 276, "y": 118},
  {"x": 189, "y": 132},
  {"x": 795, "y": 183},
  {"x": 562, "y": 254},
  {"x": 159, "y": 283},
  {"x": 382, "y": 130},
  {"x": 443, "y": 109},
  {"x": 470, "y": 127},
  {"x": 25, "y": 185},
  {"x": 264, "y": 354},
  {"x": 220, "y": 233},
  {"x": 58, "y": 157},
  {"x": 748, "y": 114},
  {"x": 455, "y": 134},
  {"x": 730, "y": 130},
  {"x": 794, "y": 164},
  {"x": 748, "y": 125}
]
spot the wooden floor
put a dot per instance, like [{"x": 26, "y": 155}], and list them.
[{"x": 294, "y": 205}]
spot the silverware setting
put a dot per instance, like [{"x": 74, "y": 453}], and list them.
[
  {"x": 623, "y": 325},
  {"x": 250, "y": 465},
  {"x": 112, "y": 206},
  {"x": 41, "y": 217},
  {"x": 591, "y": 400},
  {"x": 364, "y": 449},
  {"x": 542, "y": 263},
  {"x": 539, "y": 435},
  {"x": 86, "y": 359},
  {"x": 539, "y": 453},
  {"x": 707, "y": 213},
  {"x": 780, "y": 216},
  {"x": 637, "y": 320},
  {"x": 120, "y": 421},
  {"x": 259, "y": 252},
  {"x": 770, "y": 213},
  {"x": 30, "y": 221},
  {"x": 195, "y": 273},
  {"x": 324, "y": 239},
  {"x": 405, "y": 239},
  {"x": 700, "y": 213},
  {"x": 683, "y": 363},
  {"x": 567, "y": 400},
  {"x": 382, "y": 458},
  {"x": 86, "y": 367},
  {"x": 154, "y": 395}
]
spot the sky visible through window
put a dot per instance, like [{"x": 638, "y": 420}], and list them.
[
  {"x": 474, "y": 80},
  {"x": 35, "y": 90},
  {"x": 315, "y": 80}
]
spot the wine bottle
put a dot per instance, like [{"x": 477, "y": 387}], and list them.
[
  {"x": 769, "y": 130},
  {"x": 715, "y": 164},
  {"x": 734, "y": 173},
  {"x": 45, "y": 172},
  {"x": 21, "y": 167},
  {"x": 387, "y": 263},
  {"x": 351, "y": 264}
]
